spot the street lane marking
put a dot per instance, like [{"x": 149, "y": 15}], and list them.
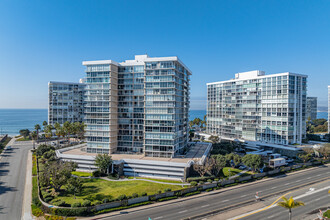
[
  {"x": 158, "y": 217},
  {"x": 205, "y": 206},
  {"x": 286, "y": 184},
  {"x": 260, "y": 210},
  {"x": 225, "y": 200},
  {"x": 298, "y": 181},
  {"x": 243, "y": 196},
  {"x": 183, "y": 211},
  {"x": 319, "y": 175},
  {"x": 308, "y": 178},
  {"x": 273, "y": 187}
]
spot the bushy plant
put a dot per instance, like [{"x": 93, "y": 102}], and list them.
[
  {"x": 201, "y": 182},
  {"x": 144, "y": 194},
  {"x": 48, "y": 199},
  {"x": 105, "y": 200},
  {"x": 96, "y": 173},
  {"x": 159, "y": 191},
  {"x": 167, "y": 190},
  {"x": 86, "y": 203},
  {"x": 135, "y": 195},
  {"x": 97, "y": 202},
  {"x": 193, "y": 183},
  {"x": 60, "y": 203},
  {"x": 209, "y": 181},
  {"x": 75, "y": 205},
  {"x": 122, "y": 197}
]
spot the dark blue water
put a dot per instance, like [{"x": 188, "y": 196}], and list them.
[{"x": 13, "y": 120}]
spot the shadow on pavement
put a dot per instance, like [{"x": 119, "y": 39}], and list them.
[
  {"x": 4, "y": 164},
  {"x": 4, "y": 189}
]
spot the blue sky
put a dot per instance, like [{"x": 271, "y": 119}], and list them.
[{"x": 43, "y": 41}]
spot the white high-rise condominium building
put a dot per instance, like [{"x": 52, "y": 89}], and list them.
[
  {"x": 258, "y": 107},
  {"x": 137, "y": 106},
  {"x": 311, "y": 111},
  {"x": 65, "y": 102}
]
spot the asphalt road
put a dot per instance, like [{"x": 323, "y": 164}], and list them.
[
  {"x": 12, "y": 180},
  {"x": 223, "y": 200},
  {"x": 314, "y": 199}
]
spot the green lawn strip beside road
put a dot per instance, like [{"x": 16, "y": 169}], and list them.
[
  {"x": 158, "y": 180},
  {"x": 98, "y": 189},
  {"x": 82, "y": 174},
  {"x": 24, "y": 139},
  {"x": 34, "y": 165},
  {"x": 35, "y": 206},
  {"x": 4, "y": 143}
]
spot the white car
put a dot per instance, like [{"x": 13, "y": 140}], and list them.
[{"x": 8, "y": 148}]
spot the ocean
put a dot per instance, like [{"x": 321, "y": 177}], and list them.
[{"x": 13, "y": 120}]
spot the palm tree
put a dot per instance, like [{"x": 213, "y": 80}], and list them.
[
  {"x": 67, "y": 128},
  {"x": 48, "y": 131},
  {"x": 37, "y": 128},
  {"x": 34, "y": 137},
  {"x": 290, "y": 204},
  {"x": 44, "y": 124}
]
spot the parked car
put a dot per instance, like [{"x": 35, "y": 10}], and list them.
[
  {"x": 242, "y": 167},
  {"x": 8, "y": 148}
]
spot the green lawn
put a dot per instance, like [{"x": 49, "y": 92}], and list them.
[
  {"x": 82, "y": 174},
  {"x": 98, "y": 189},
  {"x": 232, "y": 172},
  {"x": 159, "y": 180},
  {"x": 24, "y": 139}
]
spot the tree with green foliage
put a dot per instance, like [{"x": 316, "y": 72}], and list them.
[
  {"x": 252, "y": 160},
  {"x": 44, "y": 123},
  {"x": 202, "y": 169},
  {"x": 74, "y": 186},
  {"x": 34, "y": 138},
  {"x": 290, "y": 204},
  {"x": 103, "y": 162},
  {"x": 222, "y": 148},
  {"x": 219, "y": 162},
  {"x": 24, "y": 132},
  {"x": 305, "y": 157},
  {"x": 37, "y": 128},
  {"x": 59, "y": 173},
  {"x": 48, "y": 131}
]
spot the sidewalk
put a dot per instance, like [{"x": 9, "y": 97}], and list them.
[
  {"x": 119, "y": 180},
  {"x": 26, "y": 210}
]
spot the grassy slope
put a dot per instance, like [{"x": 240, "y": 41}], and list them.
[
  {"x": 159, "y": 180},
  {"x": 98, "y": 189},
  {"x": 82, "y": 174}
]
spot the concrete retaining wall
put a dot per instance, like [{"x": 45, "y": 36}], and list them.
[
  {"x": 273, "y": 172},
  {"x": 226, "y": 182},
  {"x": 107, "y": 205},
  {"x": 259, "y": 175},
  {"x": 210, "y": 185},
  {"x": 244, "y": 178},
  {"x": 138, "y": 200}
]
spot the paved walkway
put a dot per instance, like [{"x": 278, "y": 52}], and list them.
[
  {"x": 26, "y": 209},
  {"x": 120, "y": 180},
  {"x": 237, "y": 175}
]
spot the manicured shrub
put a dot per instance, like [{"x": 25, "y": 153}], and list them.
[
  {"x": 97, "y": 202},
  {"x": 209, "y": 181},
  {"x": 193, "y": 183},
  {"x": 167, "y": 198},
  {"x": 86, "y": 203},
  {"x": 122, "y": 197},
  {"x": 75, "y": 205},
  {"x": 105, "y": 200},
  {"x": 144, "y": 194},
  {"x": 96, "y": 173},
  {"x": 205, "y": 178},
  {"x": 159, "y": 191},
  {"x": 216, "y": 179},
  {"x": 135, "y": 195},
  {"x": 201, "y": 182},
  {"x": 36, "y": 211},
  {"x": 167, "y": 190},
  {"x": 71, "y": 212},
  {"x": 48, "y": 199},
  {"x": 60, "y": 203}
]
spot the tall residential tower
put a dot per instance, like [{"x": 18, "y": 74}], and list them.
[
  {"x": 65, "y": 102},
  {"x": 311, "y": 111},
  {"x": 258, "y": 107},
  {"x": 137, "y": 106}
]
